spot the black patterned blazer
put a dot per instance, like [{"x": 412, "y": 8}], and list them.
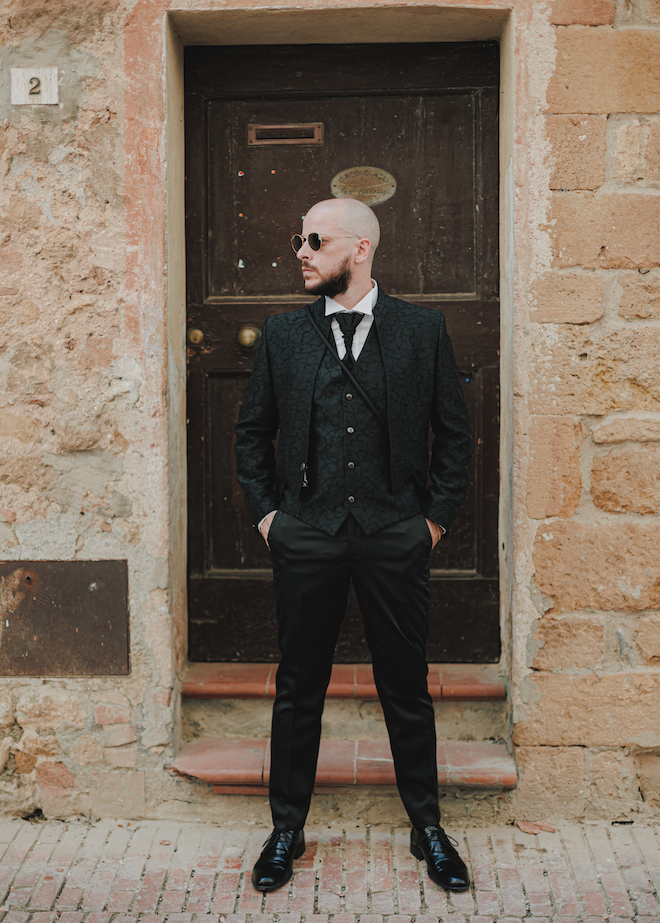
[{"x": 423, "y": 387}]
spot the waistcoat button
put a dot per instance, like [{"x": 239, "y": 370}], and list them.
[
  {"x": 349, "y": 429},
  {"x": 351, "y": 499},
  {"x": 351, "y": 464},
  {"x": 349, "y": 397}
]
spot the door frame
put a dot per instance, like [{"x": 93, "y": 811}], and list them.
[{"x": 382, "y": 23}]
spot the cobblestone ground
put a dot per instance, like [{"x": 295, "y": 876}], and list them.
[{"x": 114, "y": 872}]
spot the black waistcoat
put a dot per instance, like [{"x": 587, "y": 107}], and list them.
[{"x": 348, "y": 464}]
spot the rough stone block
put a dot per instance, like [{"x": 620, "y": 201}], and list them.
[
  {"x": 628, "y": 429},
  {"x": 584, "y": 566},
  {"x": 163, "y": 697},
  {"x": 652, "y": 152},
  {"x": 606, "y": 70},
  {"x": 25, "y": 762},
  {"x": 6, "y": 746},
  {"x": 640, "y": 294},
  {"x": 39, "y": 708},
  {"x": 647, "y": 635},
  {"x": 554, "y": 482},
  {"x": 614, "y": 789},
  {"x": 58, "y": 794},
  {"x": 627, "y": 480},
  {"x": 574, "y": 371},
  {"x": 628, "y": 165},
  {"x": 635, "y": 144},
  {"x": 111, "y": 697},
  {"x": 534, "y": 798},
  {"x": 118, "y": 794},
  {"x": 579, "y": 146},
  {"x": 120, "y": 759},
  {"x": 18, "y": 796},
  {"x": 614, "y": 710},
  {"x": 605, "y": 230},
  {"x": 63, "y": 803},
  {"x": 55, "y": 775},
  {"x": 112, "y": 714},
  {"x": 649, "y": 778},
  {"x": 158, "y": 736},
  {"x": 88, "y": 750},
  {"x": 7, "y": 537},
  {"x": 18, "y": 424},
  {"x": 6, "y": 715},
  {"x": 116, "y": 735},
  {"x": 572, "y": 641},
  {"x": 568, "y": 297},
  {"x": 39, "y": 744},
  {"x": 582, "y": 12},
  {"x": 652, "y": 10}
]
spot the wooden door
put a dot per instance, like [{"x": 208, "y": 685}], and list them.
[{"x": 268, "y": 129}]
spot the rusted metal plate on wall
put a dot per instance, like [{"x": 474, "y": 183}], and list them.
[{"x": 63, "y": 618}]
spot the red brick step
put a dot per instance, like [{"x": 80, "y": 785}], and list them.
[
  {"x": 241, "y": 766},
  {"x": 349, "y": 681}
]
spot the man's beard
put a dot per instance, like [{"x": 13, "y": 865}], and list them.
[{"x": 334, "y": 285}]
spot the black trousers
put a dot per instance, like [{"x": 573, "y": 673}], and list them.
[{"x": 312, "y": 573}]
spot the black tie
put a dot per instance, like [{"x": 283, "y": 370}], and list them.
[{"x": 348, "y": 321}]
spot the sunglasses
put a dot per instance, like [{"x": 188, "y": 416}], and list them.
[{"x": 314, "y": 240}]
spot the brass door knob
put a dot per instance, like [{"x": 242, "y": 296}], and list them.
[
  {"x": 195, "y": 336},
  {"x": 248, "y": 337}
]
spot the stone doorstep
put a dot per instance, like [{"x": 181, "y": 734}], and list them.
[
  {"x": 242, "y": 766},
  {"x": 467, "y": 681}
]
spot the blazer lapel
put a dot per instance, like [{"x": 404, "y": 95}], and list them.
[
  {"x": 308, "y": 351},
  {"x": 311, "y": 345}
]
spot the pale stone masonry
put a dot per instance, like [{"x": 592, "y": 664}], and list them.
[{"x": 92, "y": 375}]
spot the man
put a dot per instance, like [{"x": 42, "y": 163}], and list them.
[{"x": 346, "y": 499}]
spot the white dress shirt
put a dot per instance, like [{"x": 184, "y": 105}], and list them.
[{"x": 366, "y": 307}]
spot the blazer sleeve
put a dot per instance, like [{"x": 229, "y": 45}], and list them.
[
  {"x": 452, "y": 446},
  {"x": 258, "y": 422}
]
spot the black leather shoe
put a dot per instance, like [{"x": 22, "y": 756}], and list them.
[
  {"x": 446, "y": 868},
  {"x": 274, "y": 866}
]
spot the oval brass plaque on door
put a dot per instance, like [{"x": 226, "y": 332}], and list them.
[{"x": 370, "y": 185}]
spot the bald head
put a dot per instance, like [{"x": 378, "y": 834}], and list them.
[
  {"x": 339, "y": 266},
  {"x": 352, "y": 216}
]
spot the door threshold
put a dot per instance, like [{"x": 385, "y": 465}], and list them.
[{"x": 457, "y": 681}]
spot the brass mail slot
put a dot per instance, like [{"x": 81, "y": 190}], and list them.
[{"x": 301, "y": 133}]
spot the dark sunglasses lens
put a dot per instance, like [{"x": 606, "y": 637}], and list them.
[
  {"x": 314, "y": 240},
  {"x": 296, "y": 242}
]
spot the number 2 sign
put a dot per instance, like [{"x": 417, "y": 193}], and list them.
[{"x": 34, "y": 86}]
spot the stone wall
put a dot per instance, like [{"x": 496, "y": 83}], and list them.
[
  {"x": 91, "y": 350},
  {"x": 588, "y": 697},
  {"x": 83, "y": 434}
]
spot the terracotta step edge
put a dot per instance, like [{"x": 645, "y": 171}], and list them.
[
  {"x": 235, "y": 765},
  {"x": 470, "y": 682}
]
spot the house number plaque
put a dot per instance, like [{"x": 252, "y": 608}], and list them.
[{"x": 34, "y": 86}]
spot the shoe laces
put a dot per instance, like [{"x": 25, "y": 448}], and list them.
[
  {"x": 443, "y": 835},
  {"x": 282, "y": 835}
]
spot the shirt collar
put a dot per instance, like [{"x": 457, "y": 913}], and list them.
[{"x": 365, "y": 306}]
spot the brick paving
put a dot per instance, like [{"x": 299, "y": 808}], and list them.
[{"x": 167, "y": 872}]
